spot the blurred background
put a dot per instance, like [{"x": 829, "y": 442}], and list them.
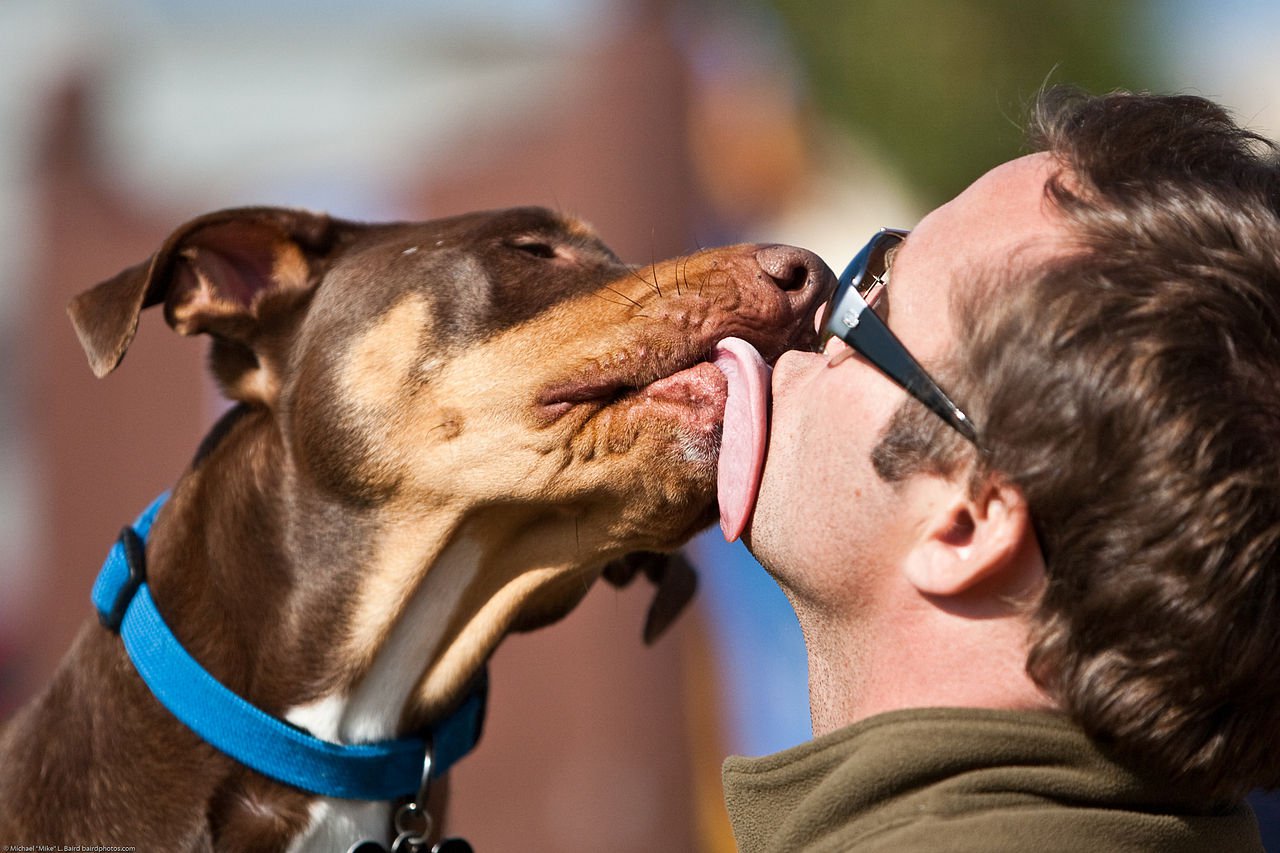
[{"x": 669, "y": 125}]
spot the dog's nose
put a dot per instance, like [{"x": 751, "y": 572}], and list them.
[{"x": 801, "y": 275}]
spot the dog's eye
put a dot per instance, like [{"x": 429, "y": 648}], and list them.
[{"x": 535, "y": 248}]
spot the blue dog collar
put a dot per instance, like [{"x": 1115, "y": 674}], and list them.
[{"x": 387, "y": 770}]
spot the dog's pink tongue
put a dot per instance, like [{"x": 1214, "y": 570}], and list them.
[{"x": 745, "y": 430}]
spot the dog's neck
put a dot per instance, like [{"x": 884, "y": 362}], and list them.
[
  {"x": 293, "y": 599},
  {"x": 356, "y": 625}
]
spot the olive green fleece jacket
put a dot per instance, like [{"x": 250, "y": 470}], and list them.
[{"x": 966, "y": 781}]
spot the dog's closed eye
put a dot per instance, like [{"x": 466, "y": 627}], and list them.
[{"x": 536, "y": 248}]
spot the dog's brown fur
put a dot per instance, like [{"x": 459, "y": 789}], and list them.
[{"x": 442, "y": 432}]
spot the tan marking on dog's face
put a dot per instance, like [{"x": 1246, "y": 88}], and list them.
[
  {"x": 382, "y": 360},
  {"x": 578, "y": 228}
]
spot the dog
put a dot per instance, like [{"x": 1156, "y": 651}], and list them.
[{"x": 440, "y": 433}]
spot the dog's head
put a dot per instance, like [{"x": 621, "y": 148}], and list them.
[{"x": 497, "y": 377}]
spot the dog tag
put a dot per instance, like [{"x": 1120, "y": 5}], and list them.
[
  {"x": 452, "y": 845},
  {"x": 366, "y": 847}
]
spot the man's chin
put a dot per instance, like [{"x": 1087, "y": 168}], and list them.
[{"x": 757, "y": 537}]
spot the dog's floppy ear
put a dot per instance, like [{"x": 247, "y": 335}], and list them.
[
  {"x": 675, "y": 579},
  {"x": 220, "y": 274}
]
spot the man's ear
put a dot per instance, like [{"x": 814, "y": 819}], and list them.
[
  {"x": 225, "y": 274},
  {"x": 968, "y": 538}
]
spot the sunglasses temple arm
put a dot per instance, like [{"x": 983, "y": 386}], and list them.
[
  {"x": 933, "y": 397},
  {"x": 882, "y": 348}
]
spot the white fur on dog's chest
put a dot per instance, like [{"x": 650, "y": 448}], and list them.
[
  {"x": 337, "y": 824},
  {"x": 373, "y": 709}
]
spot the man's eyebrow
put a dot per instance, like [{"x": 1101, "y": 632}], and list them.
[{"x": 892, "y": 254}]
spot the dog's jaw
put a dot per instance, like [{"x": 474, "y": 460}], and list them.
[
  {"x": 421, "y": 628},
  {"x": 422, "y": 618}
]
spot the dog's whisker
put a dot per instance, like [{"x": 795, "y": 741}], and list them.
[
  {"x": 624, "y": 296},
  {"x": 646, "y": 281},
  {"x": 687, "y": 261},
  {"x": 653, "y": 262}
]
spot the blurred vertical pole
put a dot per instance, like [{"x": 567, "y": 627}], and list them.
[{"x": 102, "y": 448}]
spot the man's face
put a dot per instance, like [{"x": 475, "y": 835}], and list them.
[{"x": 825, "y": 525}]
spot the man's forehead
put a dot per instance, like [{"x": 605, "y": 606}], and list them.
[
  {"x": 1002, "y": 214},
  {"x": 1013, "y": 192}
]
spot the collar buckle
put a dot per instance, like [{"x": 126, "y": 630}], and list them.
[{"x": 135, "y": 557}]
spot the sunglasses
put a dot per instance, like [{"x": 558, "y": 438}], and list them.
[{"x": 850, "y": 316}]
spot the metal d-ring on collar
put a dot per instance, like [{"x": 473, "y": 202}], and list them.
[
  {"x": 412, "y": 824},
  {"x": 412, "y": 821},
  {"x": 383, "y": 771}
]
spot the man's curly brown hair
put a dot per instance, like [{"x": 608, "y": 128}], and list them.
[{"x": 1131, "y": 389}]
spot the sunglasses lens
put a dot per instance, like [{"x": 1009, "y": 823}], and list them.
[
  {"x": 867, "y": 273},
  {"x": 875, "y": 274}
]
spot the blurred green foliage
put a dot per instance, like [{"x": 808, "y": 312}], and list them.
[{"x": 939, "y": 88}]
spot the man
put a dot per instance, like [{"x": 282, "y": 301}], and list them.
[{"x": 1045, "y": 616}]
